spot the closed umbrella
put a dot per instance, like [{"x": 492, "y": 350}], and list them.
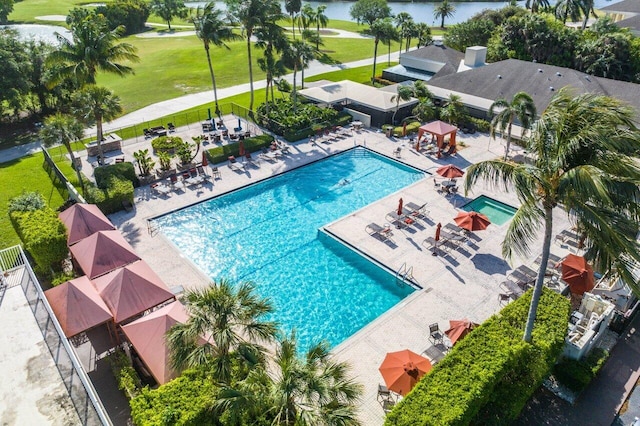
[
  {"x": 458, "y": 329},
  {"x": 205, "y": 162},
  {"x": 472, "y": 221},
  {"x": 450, "y": 171},
  {"x": 578, "y": 274},
  {"x": 403, "y": 369},
  {"x": 404, "y": 129},
  {"x": 400, "y": 207},
  {"x": 241, "y": 149},
  {"x": 239, "y": 124},
  {"x": 437, "y": 238}
]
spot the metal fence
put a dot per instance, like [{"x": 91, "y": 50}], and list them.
[
  {"x": 59, "y": 180},
  {"x": 81, "y": 391}
]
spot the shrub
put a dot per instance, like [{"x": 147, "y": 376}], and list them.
[
  {"x": 27, "y": 201},
  {"x": 132, "y": 14},
  {"x": 576, "y": 375},
  {"x": 61, "y": 277},
  {"x": 412, "y": 127},
  {"x": 124, "y": 373},
  {"x": 182, "y": 401},
  {"x": 44, "y": 236},
  {"x": 111, "y": 199},
  {"x": 166, "y": 143},
  {"x": 488, "y": 377},
  {"x": 121, "y": 170},
  {"x": 480, "y": 124},
  {"x": 252, "y": 144}
]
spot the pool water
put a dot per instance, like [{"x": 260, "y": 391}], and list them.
[
  {"x": 268, "y": 233},
  {"x": 498, "y": 213}
]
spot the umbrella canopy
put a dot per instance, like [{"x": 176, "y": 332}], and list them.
[
  {"x": 401, "y": 370},
  {"x": 103, "y": 252},
  {"x": 578, "y": 274},
  {"x": 205, "y": 162},
  {"x": 241, "y": 149},
  {"x": 472, "y": 221},
  {"x": 449, "y": 171},
  {"x": 77, "y": 305},
  {"x": 83, "y": 220},
  {"x": 400, "y": 202},
  {"x": 147, "y": 335},
  {"x": 458, "y": 329},
  {"x": 131, "y": 290}
]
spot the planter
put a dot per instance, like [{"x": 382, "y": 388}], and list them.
[
  {"x": 185, "y": 167},
  {"x": 163, "y": 174},
  {"x": 146, "y": 180}
]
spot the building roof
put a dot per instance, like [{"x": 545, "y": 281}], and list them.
[
  {"x": 633, "y": 23},
  {"x": 83, "y": 220},
  {"x": 103, "y": 252},
  {"x": 349, "y": 91},
  {"x": 442, "y": 54},
  {"x": 628, "y": 6},
  {"x": 506, "y": 78}
]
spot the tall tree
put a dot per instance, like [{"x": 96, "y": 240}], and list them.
[
  {"x": 6, "y": 7},
  {"x": 444, "y": 10},
  {"x": 566, "y": 9},
  {"x": 369, "y": 11},
  {"x": 252, "y": 14},
  {"x": 312, "y": 389},
  {"x": 272, "y": 40},
  {"x": 424, "y": 35},
  {"x": 521, "y": 108},
  {"x": 381, "y": 30},
  {"x": 93, "y": 48},
  {"x": 402, "y": 20},
  {"x": 587, "y": 7},
  {"x": 321, "y": 20},
  {"x": 231, "y": 318},
  {"x": 169, "y": 9},
  {"x": 95, "y": 105},
  {"x": 585, "y": 160},
  {"x": 212, "y": 30},
  {"x": 454, "y": 111},
  {"x": 297, "y": 57},
  {"x": 63, "y": 129},
  {"x": 404, "y": 93},
  {"x": 293, "y": 9},
  {"x": 535, "y": 5}
]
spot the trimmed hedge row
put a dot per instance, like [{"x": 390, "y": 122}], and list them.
[
  {"x": 166, "y": 143},
  {"x": 292, "y": 136},
  {"x": 489, "y": 376},
  {"x": 576, "y": 375},
  {"x": 117, "y": 194},
  {"x": 44, "y": 236},
  {"x": 121, "y": 170},
  {"x": 183, "y": 401},
  {"x": 412, "y": 127},
  {"x": 252, "y": 144}
]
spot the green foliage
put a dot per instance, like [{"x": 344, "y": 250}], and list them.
[
  {"x": 252, "y": 144},
  {"x": 145, "y": 163},
  {"x": 184, "y": 152},
  {"x": 166, "y": 143},
  {"x": 27, "y": 201},
  {"x": 412, "y": 127},
  {"x": 182, "y": 401},
  {"x": 469, "y": 33},
  {"x": 111, "y": 198},
  {"x": 165, "y": 160},
  {"x": 6, "y": 7},
  {"x": 61, "y": 277},
  {"x": 480, "y": 124},
  {"x": 132, "y": 14},
  {"x": 44, "y": 237},
  {"x": 488, "y": 377},
  {"x": 124, "y": 373},
  {"x": 576, "y": 375},
  {"x": 121, "y": 170}
]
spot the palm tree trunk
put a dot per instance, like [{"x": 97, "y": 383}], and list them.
[
  {"x": 295, "y": 92},
  {"x": 506, "y": 148},
  {"x": 73, "y": 163},
  {"x": 537, "y": 290},
  {"x": 213, "y": 81},
  {"x": 389, "y": 54},
  {"x": 407, "y": 45},
  {"x": 293, "y": 27},
  {"x": 169, "y": 23},
  {"x": 250, "y": 70},
  {"x": 266, "y": 94},
  {"x": 302, "y": 78},
  {"x": 375, "y": 57},
  {"x": 442, "y": 22},
  {"x": 317, "y": 35},
  {"x": 99, "y": 138}
]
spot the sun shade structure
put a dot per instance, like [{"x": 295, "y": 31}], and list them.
[
  {"x": 450, "y": 171},
  {"x": 458, "y": 329},
  {"x": 131, "y": 290},
  {"x": 78, "y": 306},
  {"x": 439, "y": 129},
  {"x": 83, "y": 220},
  {"x": 578, "y": 274},
  {"x": 147, "y": 335},
  {"x": 401, "y": 370},
  {"x": 472, "y": 221},
  {"x": 103, "y": 252}
]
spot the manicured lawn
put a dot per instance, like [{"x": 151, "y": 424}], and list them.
[
  {"x": 25, "y": 11},
  {"x": 359, "y": 74}
]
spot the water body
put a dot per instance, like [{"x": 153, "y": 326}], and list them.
[{"x": 37, "y": 32}]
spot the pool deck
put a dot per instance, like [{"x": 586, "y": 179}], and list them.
[{"x": 464, "y": 284}]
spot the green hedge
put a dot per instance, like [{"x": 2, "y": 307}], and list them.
[
  {"x": 183, "y": 401},
  {"x": 252, "y": 144},
  {"x": 121, "y": 170},
  {"x": 411, "y": 128},
  {"x": 166, "y": 143},
  {"x": 489, "y": 376},
  {"x": 576, "y": 375},
  {"x": 480, "y": 124},
  {"x": 44, "y": 236},
  {"x": 128, "y": 380},
  {"x": 341, "y": 120},
  {"x": 111, "y": 199}
]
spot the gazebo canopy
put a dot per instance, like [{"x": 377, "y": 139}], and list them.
[
  {"x": 439, "y": 129},
  {"x": 83, "y": 220},
  {"x": 147, "y": 335},
  {"x": 102, "y": 252},
  {"x": 131, "y": 290},
  {"x": 78, "y": 306}
]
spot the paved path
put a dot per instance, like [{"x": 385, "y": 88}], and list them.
[{"x": 16, "y": 152}]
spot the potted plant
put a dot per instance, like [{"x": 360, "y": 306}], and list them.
[
  {"x": 145, "y": 164},
  {"x": 165, "y": 165},
  {"x": 185, "y": 155}
]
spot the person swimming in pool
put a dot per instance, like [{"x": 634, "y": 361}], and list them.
[{"x": 344, "y": 182}]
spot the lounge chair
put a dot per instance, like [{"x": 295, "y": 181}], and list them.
[
  {"x": 400, "y": 220},
  {"x": 435, "y": 335},
  {"x": 248, "y": 159},
  {"x": 397, "y": 152},
  {"x": 161, "y": 188},
  {"x": 378, "y": 231},
  {"x": 175, "y": 183},
  {"x": 216, "y": 173},
  {"x": 384, "y": 394},
  {"x": 417, "y": 211},
  {"x": 524, "y": 276},
  {"x": 234, "y": 165},
  {"x": 202, "y": 173},
  {"x": 171, "y": 127}
]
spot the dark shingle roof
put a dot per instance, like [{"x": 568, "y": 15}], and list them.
[
  {"x": 633, "y": 23},
  {"x": 629, "y": 6},
  {"x": 443, "y": 54},
  {"x": 506, "y": 78}
]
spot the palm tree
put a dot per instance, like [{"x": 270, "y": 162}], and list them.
[
  {"x": 444, "y": 10},
  {"x": 401, "y": 20},
  {"x": 454, "y": 111},
  {"x": 212, "y": 30},
  {"x": 321, "y": 20},
  {"x": 252, "y": 14},
  {"x": 169, "y": 9},
  {"x": 62, "y": 128},
  {"x": 587, "y": 7},
  {"x": 272, "y": 40},
  {"x": 297, "y": 57},
  {"x": 93, "y": 48},
  {"x": 231, "y": 318},
  {"x": 307, "y": 17},
  {"x": 521, "y": 107},
  {"x": 309, "y": 390},
  {"x": 404, "y": 93},
  {"x": 534, "y": 5},
  {"x": 424, "y": 34},
  {"x": 381, "y": 29},
  {"x": 585, "y": 159},
  {"x": 95, "y": 105},
  {"x": 568, "y": 9},
  {"x": 293, "y": 8}
]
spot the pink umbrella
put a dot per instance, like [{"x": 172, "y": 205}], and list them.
[
  {"x": 205, "y": 163},
  {"x": 241, "y": 149}
]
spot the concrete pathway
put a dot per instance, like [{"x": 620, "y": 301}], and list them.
[{"x": 16, "y": 152}]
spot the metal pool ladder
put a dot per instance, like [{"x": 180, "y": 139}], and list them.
[{"x": 403, "y": 274}]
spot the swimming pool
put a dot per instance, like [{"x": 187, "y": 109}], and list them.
[
  {"x": 497, "y": 212},
  {"x": 268, "y": 233}
]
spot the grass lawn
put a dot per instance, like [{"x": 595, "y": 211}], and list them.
[{"x": 359, "y": 74}]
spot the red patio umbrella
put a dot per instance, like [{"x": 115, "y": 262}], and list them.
[
  {"x": 450, "y": 171},
  {"x": 241, "y": 149},
  {"x": 401, "y": 370},
  {"x": 400, "y": 207},
  {"x": 458, "y": 329},
  {"x": 472, "y": 221},
  {"x": 404, "y": 129},
  {"x": 205, "y": 162},
  {"x": 578, "y": 274},
  {"x": 437, "y": 238}
]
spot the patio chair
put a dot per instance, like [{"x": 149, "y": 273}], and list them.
[
  {"x": 171, "y": 127},
  {"x": 175, "y": 183},
  {"x": 248, "y": 159},
  {"x": 414, "y": 210},
  {"x": 384, "y": 394},
  {"x": 215, "y": 173},
  {"x": 375, "y": 230},
  {"x": 435, "y": 335},
  {"x": 397, "y": 152},
  {"x": 388, "y": 405},
  {"x": 234, "y": 165},
  {"x": 505, "y": 298},
  {"x": 202, "y": 173}
]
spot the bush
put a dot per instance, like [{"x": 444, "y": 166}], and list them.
[
  {"x": 124, "y": 373},
  {"x": 111, "y": 199},
  {"x": 480, "y": 124},
  {"x": 120, "y": 170},
  {"x": 412, "y": 127},
  {"x": 44, "y": 236},
  {"x": 182, "y": 401},
  {"x": 61, "y": 277},
  {"x": 252, "y": 144},
  {"x": 576, "y": 375},
  {"x": 166, "y": 143},
  {"x": 27, "y": 201},
  {"x": 132, "y": 14},
  {"x": 489, "y": 376}
]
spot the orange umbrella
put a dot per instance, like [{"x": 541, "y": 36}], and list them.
[
  {"x": 458, "y": 329},
  {"x": 241, "y": 149},
  {"x": 205, "y": 163},
  {"x": 449, "y": 171},
  {"x": 578, "y": 274},
  {"x": 404, "y": 129},
  {"x": 400, "y": 207},
  {"x": 401, "y": 370},
  {"x": 472, "y": 221}
]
